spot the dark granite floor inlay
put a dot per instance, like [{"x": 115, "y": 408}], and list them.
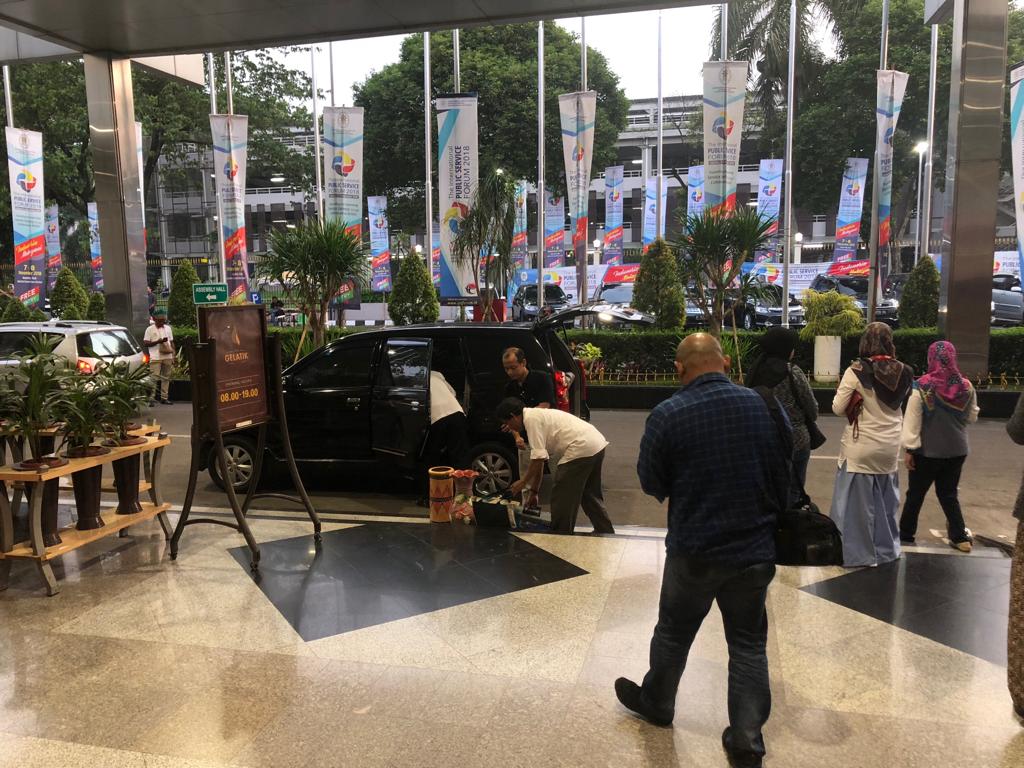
[
  {"x": 961, "y": 602},
  {"x": 380, "y": 572}
]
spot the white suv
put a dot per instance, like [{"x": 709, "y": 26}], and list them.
[{"x": 86, "y": 344}]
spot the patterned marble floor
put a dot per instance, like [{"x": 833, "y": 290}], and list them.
[{"x": 141, "y": 661}]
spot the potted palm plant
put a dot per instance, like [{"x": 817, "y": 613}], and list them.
[
  {"x": 126, "y": 392},
  {"x": 829, "y": 317},
  {"x": 82, "y": 409}
]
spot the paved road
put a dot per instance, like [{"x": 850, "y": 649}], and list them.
[{"x": 988, "y": 488}]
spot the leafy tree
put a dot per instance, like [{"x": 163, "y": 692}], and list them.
[
  {"x": 68, "y": 300},
  {"x": 658, "y": 290},
  {"x": 919, "y": 304},
  {"x": 181, "y": 306},
  {"x": 15, "y": 312},
  {"x": 414, "y": 299},
  {"x": 312, "y": 262},
  {"x": 500, "y": 64},
  {"x": 97, "y": 309},
  {"x": 487, "y": 229}
]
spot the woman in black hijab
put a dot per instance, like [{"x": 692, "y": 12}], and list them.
[{"x": 775, "y": 371}]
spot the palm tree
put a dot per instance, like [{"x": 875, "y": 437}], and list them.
[{"x": 486, "y": 234}]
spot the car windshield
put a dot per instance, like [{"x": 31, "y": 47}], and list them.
[
  {"x": 551, "y": 293},
  {"x": 617, "y": 293},
  {"x": 853, "y": 286},
  {"x": 14, "y": 343},
  {"x": 106, "y": 344}
]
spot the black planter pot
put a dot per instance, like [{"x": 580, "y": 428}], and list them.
[
  {"x": 51, "y": 491},
  {"x": 86, "y": 484},
  {"x": 126, "y": 480}
]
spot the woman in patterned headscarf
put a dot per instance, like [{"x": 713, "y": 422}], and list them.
[
  {"x": 941, "y": 406},
  {"x": 1015, "y": 636},
  {"x": 865, "y": 499}
]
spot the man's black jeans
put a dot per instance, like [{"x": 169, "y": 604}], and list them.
[
  {"x": 688, "y": 589},
  {"x": 945, "y": 473}
]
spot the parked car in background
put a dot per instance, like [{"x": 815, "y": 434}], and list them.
[
  {"x": 524, "y": 303},
  {"x": 886, "y": 310},
  {"x": 363, "y": 401},
  {"x": 766, "y": 310},
  {"x": 85, "y": 344},
  {"x": 1007, "y": 300},
  {"x": 613, "y": 307}
]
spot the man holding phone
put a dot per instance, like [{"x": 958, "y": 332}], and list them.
[{"x": 159, "y": 342}]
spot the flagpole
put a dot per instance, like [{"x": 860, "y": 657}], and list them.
[
  {"x": 220, "y": 216},
  {"x": 541, "y": 195},
  {"x": 926, "y": 185},
  {"x": 330, "y": 60},
  {"x": 883, "y": 63},
  {"x": 316, "y": 135},
  {"x": 788, "y": 183},
  {"x": 428, "y": 164},
  {"x": 661, "y": 124},
  {"x": 583, "y": 53},
  {"x": 8, "y": 104},
  {"x": 230, "y": 82},
  {"x": 457, "y": 62},
  {"x": 723, "y": 54}
]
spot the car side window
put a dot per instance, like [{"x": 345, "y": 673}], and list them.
[
  {"x": 347, "y": 365},
  {"x": 106, "y": 344},
  {"x": 406, "y": 363}
]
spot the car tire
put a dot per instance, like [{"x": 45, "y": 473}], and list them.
[
  {"x": 241, "y": 455},
  {"x": 749, "y": 322},
  {"x": 497, "y": 465}
]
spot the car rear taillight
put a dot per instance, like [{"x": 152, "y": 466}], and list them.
[
  {"x": 145, "y": 358},
  {"x": 84, "y": 366},
  {"x": 563, "y": 381}
]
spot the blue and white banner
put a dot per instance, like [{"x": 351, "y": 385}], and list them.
[
  {"x": 891, "y": 87},
  {"x": 695, "y": 189},
  {"x": 380, "y": 244},
  {"x": 577, "y": 113},
  {"x": 25, "y": 171},
  {"x": 851, "y": 208},
  {"x": 650, "y": 229},
  {"x": 612, "y": 253},
  {"x": 457, "y": 177},
  {"x": 725, "y": 88},
  {"x": 95, "y": 249},
  {"x": 520, "y": 234},
  {"x": 343, "y": 167},
  {"x": 769, "y": 193},
  {"x": 230, "y": 147},
  {"x": 1017, "y": 153},
  {"x": 54, "y": 258},
  {"x": 554, "y": 230}
]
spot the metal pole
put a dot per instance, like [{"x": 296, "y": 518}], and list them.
[
  {"x": 658, "y": 213},
  {"x": 230, "y": 83},
  {"x": 428, "y": 186},
  {"x": 917, "y": 235},
  {"x": 330, "y": 59},
  {"x": 788, "y": 182},
  {"x": 221, "y": 263},
  {"x": 8, "y": 105},
  {"x": 883, "y": 61},
  {"x": 316, "y": 135},
  {"x": 583, "y": 53},
  {"x": 540, "y": 167},
  {"x": 457, "y": 60},
  {"x": 724, "y": 52},
  {"x": 926, "y": 202}
]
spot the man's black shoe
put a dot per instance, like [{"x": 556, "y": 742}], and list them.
[
  {"x": 739, "y": 759},
  {"x": 631, "y": 697}
]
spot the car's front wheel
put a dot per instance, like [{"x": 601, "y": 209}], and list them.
[
  {"x": 748, "y": 321},
  {"x": 240, "y": 455},
  {"x": 496, "y": 465}
]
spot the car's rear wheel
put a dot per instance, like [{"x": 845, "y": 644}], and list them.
[
  {"x": 748, "y": 321},
  {"x": 497, "y": 466},
  {"x": 240, "y": 454}
]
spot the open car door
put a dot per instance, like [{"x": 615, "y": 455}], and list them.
[
  {"x": 401, "y": 399},
  {"x": 606, "y": 312}
]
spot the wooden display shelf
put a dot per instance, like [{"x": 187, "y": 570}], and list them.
[
  {"x": 72, "y": 538},
  {"x": 9, "y": 474},
  {"x": 108, "y": 486}
]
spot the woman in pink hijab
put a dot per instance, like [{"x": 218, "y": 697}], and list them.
[{"x": 941, "y": 406}]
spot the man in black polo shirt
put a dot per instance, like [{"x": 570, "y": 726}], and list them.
[{"x": 536, "y": 390}]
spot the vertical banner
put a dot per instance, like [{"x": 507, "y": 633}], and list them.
[
  {"x": 380, "y": 244},
  {"x": 457, "y": 176},
  {"x": 25, "y": 170},
  {"x": 230, "y": 142},
  {"x": 343, "y": 167},
  {"x": 554, "y": 230},
  {"x": 891, "y": 87},
  {"x": 577, "y": 112},
  {"x": 695, "y": 187},
  {"x": 520, "y": 233},
  {"x": 851, "y": 208},
  {"x": 769, "y": 192},
  {"x": 651, "y": 210},
  {"x": 435, "y": 255},
  {"x": 1017, "y": 153},
  {"x": 53, "y": 253},
  {"x": 725, "y": 84},
  {"x": 612, "y": 253},
  {"x": 95, "y": 249}
]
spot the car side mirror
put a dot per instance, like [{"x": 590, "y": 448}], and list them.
[{"x": 568, "y": 295}]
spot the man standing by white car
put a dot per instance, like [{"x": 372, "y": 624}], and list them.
[{"x": 159, "y": 342}]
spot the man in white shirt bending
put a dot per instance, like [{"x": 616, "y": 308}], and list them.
[
  {"x": 448, "y": 439},
  {"x": 577, "y": 447},
  {"x": 159, "y": 343}
]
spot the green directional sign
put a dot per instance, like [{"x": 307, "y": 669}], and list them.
[{"x": 210, "y": 293}]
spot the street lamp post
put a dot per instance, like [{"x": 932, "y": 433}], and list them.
[
  {"x": 921, "y": 148},
  {"x": 798, "y": 245}
]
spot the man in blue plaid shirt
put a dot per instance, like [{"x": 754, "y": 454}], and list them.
[{"x": 715, "y": 452}]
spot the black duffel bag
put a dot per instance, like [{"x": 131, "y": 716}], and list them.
[{"x": 804, "y": 536}]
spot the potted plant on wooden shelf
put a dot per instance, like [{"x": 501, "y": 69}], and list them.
[
  {"x": 829, "y": 316},
  {"x": 82, "y": 409},
  {"x": 126, "y": 393}
]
